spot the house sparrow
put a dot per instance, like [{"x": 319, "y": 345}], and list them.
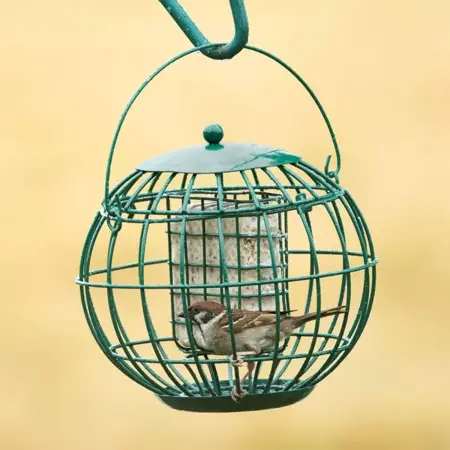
[{"x": 254, "y": 331}]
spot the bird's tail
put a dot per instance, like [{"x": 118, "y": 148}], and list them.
[{"x": 301, "y": 320}]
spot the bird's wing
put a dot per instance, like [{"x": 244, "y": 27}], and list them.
[
  {"x": 282, "y": 313},
  {"x": 245, "y": 320}
]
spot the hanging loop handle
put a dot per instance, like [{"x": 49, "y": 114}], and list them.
[
  {"x": 225, "y": 51},
  {"x": 107, "y": 203}
]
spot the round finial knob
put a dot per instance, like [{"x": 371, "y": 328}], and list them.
[{"x": 213, "y": 134}]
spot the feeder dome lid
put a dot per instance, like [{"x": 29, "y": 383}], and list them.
[{"x": 216, "y": 156}]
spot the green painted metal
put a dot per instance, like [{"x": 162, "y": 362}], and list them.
[
  {"x": 190, "y": 29},
  {"x": 331, "y": 173},
  {"x": 213, "y": 134},
  {"x": 224, "y": 403},
  {"x": 161, "y": 193},
  {"x": 217, "y": 157},
  {"x": 201, "y": 381}
]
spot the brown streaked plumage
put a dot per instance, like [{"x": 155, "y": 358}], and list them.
[{"x": 254, "y": 331}]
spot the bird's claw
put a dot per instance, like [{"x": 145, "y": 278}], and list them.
[
  {"x": 238, "y": 362},
  {"x": 238, "y": 396}
]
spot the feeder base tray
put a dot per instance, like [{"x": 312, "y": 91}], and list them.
[{"x": 251, "y": 402}]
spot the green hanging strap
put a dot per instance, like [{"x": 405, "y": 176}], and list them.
[{"x": 222, "y": 51}]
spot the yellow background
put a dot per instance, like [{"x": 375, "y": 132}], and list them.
[{"x": 381, "y": 69}]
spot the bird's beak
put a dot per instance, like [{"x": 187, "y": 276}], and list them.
[{"x": 181, "y": 315}]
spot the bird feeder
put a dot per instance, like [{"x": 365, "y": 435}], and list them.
[{"x": 243, "y": 225}]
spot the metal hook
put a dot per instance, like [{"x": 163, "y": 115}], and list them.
[{"x": 197, "y": 38}]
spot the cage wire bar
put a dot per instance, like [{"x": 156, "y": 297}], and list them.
[
  {"x": 278, "y": 197},
  {"x": 146, "y": 208}
]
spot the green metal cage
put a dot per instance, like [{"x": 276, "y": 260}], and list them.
[{"x": 245, "y": 225}]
